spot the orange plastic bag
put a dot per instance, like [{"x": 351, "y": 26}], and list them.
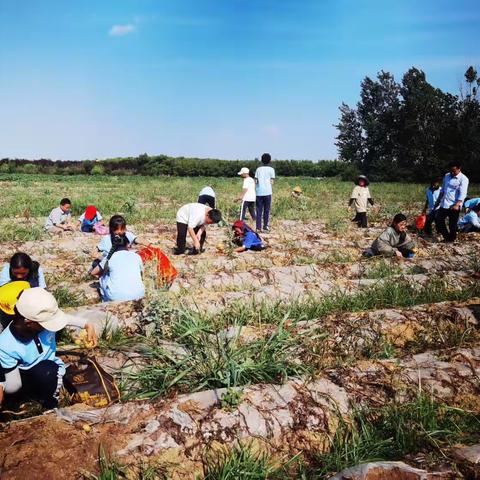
[
  {"x": 421, "y": 221},
  {"x": 165, "y": 270}
]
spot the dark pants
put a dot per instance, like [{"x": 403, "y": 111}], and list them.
[
  {"x": 428, "y": 224},
  {"x": 450, "y": 233},
  {"x": 405, "y": 251},
  {"x": 40, "y": 383},
  {"x": 207, "y": 200},
  {"x": 251, "y": 208},
  {"x": 469, "y": 228},
  {"x": 263, "y": 210},
  {"x": 361, "y": 219},
  {"x": 182, "y": 229}
]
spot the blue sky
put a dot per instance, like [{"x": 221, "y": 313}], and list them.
[{"x": 210, "y": 78}]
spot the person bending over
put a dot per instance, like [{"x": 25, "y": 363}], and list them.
[
  {"x": 246, "y": 238},
  {"x": 394, "y": 241},
  {"x": 207, "y": 196},
  {"x": 192, "y": 219},
  {"x": 471, "y": 221}
]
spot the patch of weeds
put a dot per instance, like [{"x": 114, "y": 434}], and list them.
[
  {"x": 474, "y": 261},
  {"x": 416, "y": 270},
  {"x": 11, "y": 232},
  {"x": 394, "y": 431},
  {"x": 66, "y": 298},
  {"x": 337, "y": 227},
  {"x": 115, "y": 339},
  {"x": 337, "y": 256},
  {"x": 231, "y": 399},
  {"x": 382, "y": 269},
  {"x": 64, "y": 336}
]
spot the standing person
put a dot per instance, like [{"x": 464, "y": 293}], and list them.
[
  {"x": 120, "y": 272},
  {"x": 22, "y": 267},
  {"x": 27, "y": 347},
  {"x": 454, "y": 191},
  {"x": 207, "y": 196},
  {"x": 248, "y": 195},
  {"x": 431, "y": 207},
  {"x": 264, "y": 177},
  {"x": 360, "y": 197},
  {"x": 60, "y": 218},
  {"x": 89, "y": 218},
  {"x": 192, "y": 218}
]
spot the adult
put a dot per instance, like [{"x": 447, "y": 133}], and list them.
[
  {"x": 60, "y": 218},
  {"x": 248, "y": 195},
  {"x": 27, "y": 347},
  {"x": 207, "y": 196},
  {"x": 22, "y": 267},
  {"x": 264, "y": 177},
  {"x": 192, "y": 219},
  {"x": 450, "y": 200}
]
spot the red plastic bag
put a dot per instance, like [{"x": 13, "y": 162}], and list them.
[
  {"x": 166, "y": 272},
  {"x": 421, "y": 221}
]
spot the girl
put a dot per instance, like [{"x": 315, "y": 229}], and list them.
[
  {"x": 22, "y": 267},
  {"x": 89, "y": 218},
  {"x": 246, "y": 238},
  {"x": 117, "y": 226},
  {"x": 360, "y": 197},
  {"x": 394, "y": 241},
  {"x": 120, "y": 272}
]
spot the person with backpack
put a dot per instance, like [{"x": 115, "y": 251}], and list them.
[
  {"x": 394, "y": 241},
  {"x": 360, "y": 198},
  {"x": 264, "y": 177},
  {"x": 28, "y": 362},
  {"x": 248, "y": 195},
  {"x": 246, "y": 238},
  {"x": 120, "y": 272},
  {"x": 89, "y": 218},
  {"x": 22, "y": 267}
]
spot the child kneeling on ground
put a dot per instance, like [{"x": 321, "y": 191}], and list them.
[
  {"x": 27, "y": 347},
  {"x": 89, "y": 218},
  {"x": 394, "y": 241},
  {"x": 246, "y": 238},
  {"x": 471, "y": 221}
]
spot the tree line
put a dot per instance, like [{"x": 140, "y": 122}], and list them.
[{"x": 411, "y": 130}]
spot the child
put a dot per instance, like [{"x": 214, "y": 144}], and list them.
[
  {"x": 264, "y": 177},
  {"x": 120, "y": 272},
  {"x": 89, "y": 218},
  {"x": 394, "y": 241},
  {"x": 207, "y": 197},
  {"x": 117, "y": 226},
  {"x": 432, "y": 194},
  {"x": 470, "y": 222},
  {"x": 248, "y": 195},
  {"x": 360, "y": 197},
  {"x": 27, "y": 347},
  {"x": 246, "y": 238},
  {"x": 22, "y": 267},
  {"x": 192, "y": 218},
  {"x": 9, "y": 293},
  {"x": 470, "y": 203},
  {"x": 60, "y": 218}
]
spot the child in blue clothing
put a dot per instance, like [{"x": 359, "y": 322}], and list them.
[
  {"x": 431, "y": 207},
  {"x": 246, "y": 238},
  {"x": 471, "y": 221},
  {"x": 117, "y": 226},
  {"x": 89, "y": 218}
]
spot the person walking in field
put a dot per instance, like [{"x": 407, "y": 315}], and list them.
[
  {"x": 264, "y": 177},
  {"x": 394, "y": 241},
  {"x": 192, "y": 219},
  {"x": 60, "y": 218},
  {"x": 450, "y": 200},
  {"x": 431, "y": 206},
  {"x": 360, "y": 198},
  {"x": 248, "y": 195},
  {"x": 207, "y": 196}
]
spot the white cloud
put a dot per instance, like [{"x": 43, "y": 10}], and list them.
[{"x": 121, "y": 30}]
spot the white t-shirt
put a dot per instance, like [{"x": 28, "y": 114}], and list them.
[
  {"x": 192, "y": 214},
  {"x": 264, "y": 176},
  {"x": 106, "y": 242},
  {"x": 123, "y": 281},
  {"x": 249, "y": 184},
  {"x": 207, "y": 191}
]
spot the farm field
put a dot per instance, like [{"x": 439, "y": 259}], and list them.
[{"x": 299, "y": 361}]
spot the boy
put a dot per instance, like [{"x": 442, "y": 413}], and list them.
[
  {"x": 360, "y": 197},
  {"x": 248, "y": 194},
  {"x": 207, "y": 196},
  {"x": 470, "y": 222},
  {"x": 454, "y": 191},
  {"x": 264, "y": 177},
  {"x": 432, "y": 194},
  {"x": 192, "y": 218},
  {"x": 60, "y": 218}
]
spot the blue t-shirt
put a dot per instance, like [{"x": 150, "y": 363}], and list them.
[
  {"x": 473, "y": 202},
  {"x": 251, "y": 240},
  {"x": 471, "y": 218},
  {"x": 15, "y": 353},
  {"x": 5, "y": 277},
  {"x": 106, "y": 243},
  {"x": 123, "y": 281},
  {"x": 432, "y": 197},
  {"x": 263, "y": 177}
]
